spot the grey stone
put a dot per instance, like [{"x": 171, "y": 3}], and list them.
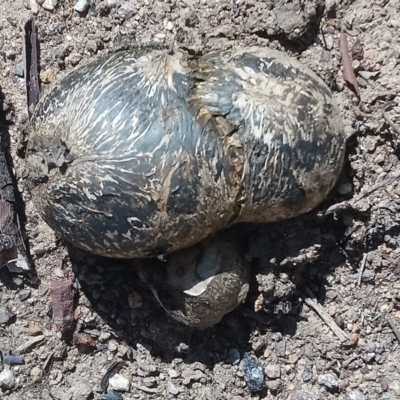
[
  {"x": 20, "y": 70},
  {"x": 273, "y": 371},
  {"x": 81, "y": 5},
  {"x": 24, "y": 294},
  {"x": 308, "y": 371},
  {"x": 5, "y": 315},
  {"x": 356, "y": 395},
  {"x": 328, "y": 380}
]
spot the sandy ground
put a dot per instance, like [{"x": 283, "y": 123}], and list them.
[{"x": 348, "y": 259}]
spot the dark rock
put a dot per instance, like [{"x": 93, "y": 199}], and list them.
[{"x": 253, "y": 373}]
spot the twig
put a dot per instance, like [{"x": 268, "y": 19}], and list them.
[
  {"x": 30, "y": 343},
  {"x": 387, "y": 118},
  {"x": 350, "y": 203},
  {"x": 363, "y": 263},
  {"x": 394, "y": 327},
  {"x": 145, "y": 388},
  {"x": 347, "y": 362},
  {"x": 313, "y": 303},
  {"x": 348, "y": 71}
]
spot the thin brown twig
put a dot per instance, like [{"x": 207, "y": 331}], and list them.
[
  {"x": 313, "y": 303},
  {"x": 363, "y": 263},
  {"x": 348, "y": 71}
]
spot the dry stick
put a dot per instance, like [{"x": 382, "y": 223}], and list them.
[
  {"x": 364, "y": 262},
  {"x": 350, "y": 203},
  {"x": 387, "y": 118},
  {"x": 348, "y": 71},
  {"x": 347, "y": 362},
  {"x": 31, "y": 65},
  {"x": 313, "y": 303},
  {"x": 394, "y": 327}
]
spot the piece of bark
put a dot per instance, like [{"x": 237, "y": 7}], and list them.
[
  {"x": 31, "y": 53},
  {"x": 348, "y": 71},
  {"x": 12, "y": 246},
  {"x": 62, "y": 295}
]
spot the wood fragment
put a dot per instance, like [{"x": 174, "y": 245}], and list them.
[
  {"x": 29, "y": 344},
  {"x": 47, "y": 363},
  {"x": 360, "y": 274},
  {"x": 348, "y": 71},
  {"x": 312, "y": 302},
  {"x": 394, "y": 328},
  {"x": 31, "y": 54},
  {"x": 386, "y": 117},
  {"x": 12, "y": 246}
]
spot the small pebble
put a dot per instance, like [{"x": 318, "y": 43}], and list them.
[
  {"x": 23, "y": 294},
  {"x": 34, "y": 7},
  {"x": 48, "y": 5},
  {"x": 82, "y": 5},
  {"x": 7, "y": 379},
  {"x": 39, "y": 249},
  {"x": 280, "y": 348},
  {"x": 172, "y": 388},
  {"x": 42, "y": 289},
  {"x": 20, "y": 70},
  {"x": 10, "y": 54},
  {"x": 111, "y": 395},
  {"x": 173, "y": 373},
  {"x": 308, "y": 371},
  {"x": 273, "y": 371},
  {"x": 300, "y": 395},
  {"x": 345, "y": 188},
  {"x": 34, "y": 330},
  {"x": 5, "y": 315},
  {"x": 234, "y": 355},
  {"x": 18, "y": 281},
  {"x": 119, "y": 383},
  {"x": 253, "y": 373},
  {"x": 135, "y": 300},
  {"x": 274, "y": 385},
  {"x": 112, "y": 345},
  {"x": 293, "y": 358},
  {"x": 36, "y": 375},
  {"x": 356, "y": 395},
  {"x": 328, "y": 380}
]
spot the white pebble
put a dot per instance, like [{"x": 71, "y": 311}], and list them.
[
  {"x": 82, "y": 5},
  {"x": 48, "y": 5},
  {"x": 7, "y": 379},
  {"x": 119, "y": 383},
  {"x": 34, "y": 6},
  {"x": 112, "y": 345}
]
